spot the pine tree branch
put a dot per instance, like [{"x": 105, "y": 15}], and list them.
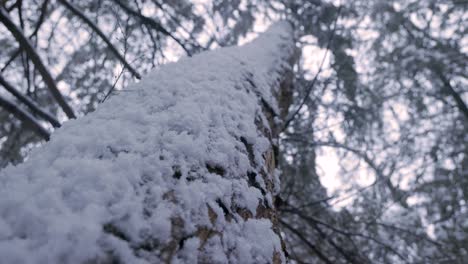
[
  {"x": 25, "y": 117},
  {"x": 98, "y": 31},
  {"x": 34, "y": 57}
]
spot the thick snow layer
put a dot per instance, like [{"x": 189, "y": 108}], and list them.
[{"x": 149, "y": 164}]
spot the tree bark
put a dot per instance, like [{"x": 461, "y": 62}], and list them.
[{"x": 180, "y": 168}]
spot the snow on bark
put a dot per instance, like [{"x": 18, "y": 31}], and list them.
[{"x": 176, "y": 168}]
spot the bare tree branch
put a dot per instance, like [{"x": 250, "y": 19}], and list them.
[
  {"x": 153, "y": 23},
  {"x": 31, "y": 105},
  {"x": 96, "y": 29},
  {"x": 47, "y": 77},
  {"x": 316, "y": 221},
  {"x": 450, "y": 90},
  {"x": 41, "y": 18},
  {"x": 34, "y": 33},
  {"x": 179, "y": 23},
  {"x": 301, "y": 236},
  {"x": 25, "y": 117},
  {"x": 312, "y": 83}
]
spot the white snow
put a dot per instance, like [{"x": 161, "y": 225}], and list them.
[{"x": 111, "y": 181}]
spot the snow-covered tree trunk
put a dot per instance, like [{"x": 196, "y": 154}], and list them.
[{"x": 177, "y": 168}]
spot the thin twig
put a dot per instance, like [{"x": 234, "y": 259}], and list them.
[
  {"x": 98, "y": 31},
  {"x": 309, "y": 88},
  {"x": 113, "y": 86},
  {"x": 302, "y": 237},
  {"x": 153, "y": 23}
]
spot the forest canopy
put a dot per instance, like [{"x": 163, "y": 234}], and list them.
[{"x": 379, "y": 106}]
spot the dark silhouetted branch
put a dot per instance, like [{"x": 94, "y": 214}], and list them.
[
  {"x": 95, "y": 28},
  {"x": 301, "y": 236},
  {"x": 41, "y": 18},
  {"x": 153, "y": 23},
  {"x": 31, "y": 105},
  {"x": 25, "y": 117},
  {"x": 36, "y": 30},
  {"x": 450, "y": 90},
  {"x": 315, "y": 221},
  {"x": 312, "y": 83},
  {"x": 46, "y": 76}
]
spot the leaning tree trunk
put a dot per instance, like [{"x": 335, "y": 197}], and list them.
[{"x": 177, "y": 168}]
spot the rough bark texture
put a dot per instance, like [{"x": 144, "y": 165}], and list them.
[{"x": 179, "y": 168}]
